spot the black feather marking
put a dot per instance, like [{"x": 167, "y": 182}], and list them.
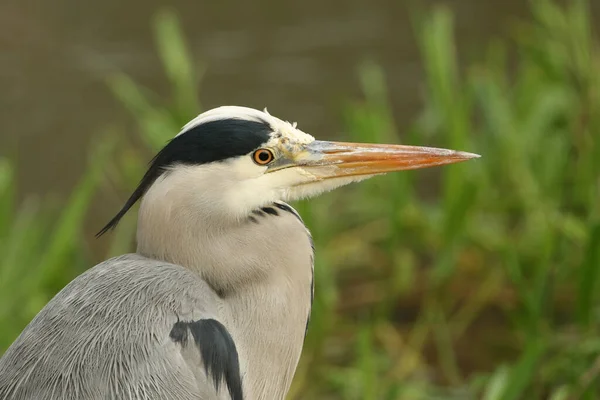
[
  {"x": 251, "y": 218},
  {"x": 289, "y": 209},
  {"x": 258, "y": 212},
  {"x": 218, "y": 352},
  {"x": 202, "y": 144},
  {"x": 270, "y": 210},
  {"x": 179, "y": 332}
]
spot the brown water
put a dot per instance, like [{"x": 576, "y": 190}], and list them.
[{"x": 297, "y": 58}]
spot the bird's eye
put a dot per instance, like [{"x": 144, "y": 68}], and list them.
[{"x": 263, "y": 156}]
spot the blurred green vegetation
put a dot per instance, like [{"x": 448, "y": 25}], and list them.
[{"x": 473, "y": 281}]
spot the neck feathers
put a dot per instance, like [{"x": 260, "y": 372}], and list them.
[{"x": 262, "y": 267}]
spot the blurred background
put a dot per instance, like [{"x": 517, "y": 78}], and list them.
[{"x": 472, "y": 281}]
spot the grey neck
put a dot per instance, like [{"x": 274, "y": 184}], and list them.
[{"x": 263, "y": 270}]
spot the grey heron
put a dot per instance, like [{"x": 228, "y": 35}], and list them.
[{"x": 215, "y": 302}]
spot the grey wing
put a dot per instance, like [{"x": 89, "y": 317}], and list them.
[{"x": 129, "y": 328}]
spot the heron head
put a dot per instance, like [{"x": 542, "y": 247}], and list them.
[{"x": 231, "y": 160}]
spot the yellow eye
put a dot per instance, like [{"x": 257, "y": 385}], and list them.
[{"x": 263, "y": 156}]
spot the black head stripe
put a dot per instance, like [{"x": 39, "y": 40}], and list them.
[
  {"x": 214, "y": 141},
  {"x": 205, "y": 143}
]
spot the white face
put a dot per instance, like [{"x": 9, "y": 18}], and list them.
[{"x": 237, "y": 186}]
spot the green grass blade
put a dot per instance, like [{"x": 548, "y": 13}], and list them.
[{"x": 588, "y": 279}]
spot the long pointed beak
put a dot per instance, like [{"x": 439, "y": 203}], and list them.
[{"x": 351, "y": 159}]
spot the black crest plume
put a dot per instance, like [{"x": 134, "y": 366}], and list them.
[{"x": 205, "y": 143}]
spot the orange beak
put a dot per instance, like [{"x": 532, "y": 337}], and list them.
[{"x": 352, "y": 159}]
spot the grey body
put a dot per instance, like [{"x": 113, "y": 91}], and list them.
[{"x": 108, "y": 334}]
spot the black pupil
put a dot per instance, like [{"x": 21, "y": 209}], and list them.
[{"x": 264, "y": 156}]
